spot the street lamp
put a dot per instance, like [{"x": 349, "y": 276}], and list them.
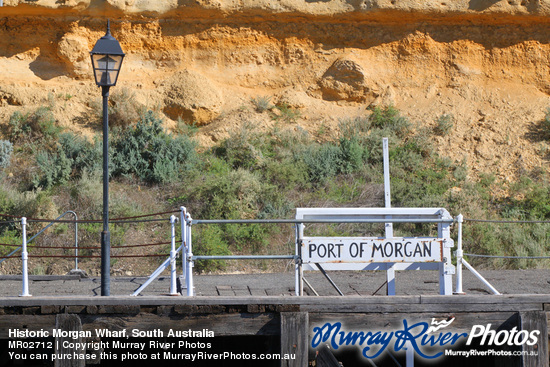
[{"x": 107, "y": 59}]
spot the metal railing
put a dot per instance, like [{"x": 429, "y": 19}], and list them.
[
  {"x": 56, "y": 220},
  {"x": 170, "y": 261},
  {"x": 186, "y": 223},
  {"x": 25, "y": 254},
  {"x": 460, "y": 252},
  {"x": 460, "y": 261},
  {"x": 189, "y": 258}
]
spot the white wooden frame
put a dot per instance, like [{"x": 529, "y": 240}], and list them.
[{"x": 382, "y": 215}]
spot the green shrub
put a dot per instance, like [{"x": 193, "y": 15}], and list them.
[
  {"x": 238, "y": 150},
  {"x": 545, "y": 124},
  {"x": 87, "y": 193},
  {"x": 353, "y": 128},
  {"x": 35, "y": 204},
  {"x": 262, "y": 103},
  {"x": 444, "y": 125},
  {"x": 531, "y": 199},
  {"x": 148, "y": 152},
  {"x": 249, "y": 237},
  {"x": 461, "y": 171},
  {"x": 124, "y": 110},
  {"x": 9, "y": 237},
  {"x": 322, "y": 161},
  {"x": 40, "y": 124},
  {"x": 6, "y": 149},
  {"x": 18, "y": 126},
  {"x": 185, "y": 128},
  {"x": 55, "y": 169},
  {"x": 208, "y": 241},
  {"x": 286, "y": 114},
  {"x": 285, "y": 174},
  {"x": 353, "y": 155},
  {"x": 288, "y": 139},
  {"x": 389, "y": 118},
  {"x": 230, "y": 196},
  {"x": 373, "y": 144},
  {"x": 85, "y": 155}
]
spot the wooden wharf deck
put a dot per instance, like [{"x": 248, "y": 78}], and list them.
[
  {"x": 285, "y": 322},
  {"x": 288, "y": 318}
]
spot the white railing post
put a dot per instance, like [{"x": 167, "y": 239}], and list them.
[
  {"x": 189, "y": 259},
  {"x": 183, "y": 232},
  {"x": 173, "y": 286},
  {"x": 298, "y": 270},
  {"x": 390, "y": 268},
  {"x": 25, "y": 257},
  {"x": 459, "y": 255}
]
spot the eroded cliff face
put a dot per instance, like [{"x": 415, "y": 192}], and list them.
[{"x": 485, "y": 62}]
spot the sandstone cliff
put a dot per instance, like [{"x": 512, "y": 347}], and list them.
[{"x": 483, "y": 61}]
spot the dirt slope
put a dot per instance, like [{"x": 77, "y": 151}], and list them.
[{"x": 485, "y": 62}]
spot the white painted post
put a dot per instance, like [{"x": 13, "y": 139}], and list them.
[
  {"x": 387, "y": 188},
  {"x": 446, "y": 268},
  {"x": 189, "y": 259},
  {"x": 409, "y": 355},
  {"x": 173, "y": 274},
  {"x": 183, "y": 231},
  {"x": 459, "y": 255},
  {"x": 25, "y": 257},
  {"x": 390, "y": 270},
  {"x": 298, "y": 270}
]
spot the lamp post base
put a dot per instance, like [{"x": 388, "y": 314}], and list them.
[{"x": 105, "y": 263}]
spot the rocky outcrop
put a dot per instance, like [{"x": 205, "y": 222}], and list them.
[
  {"x": 485, "y": 62},
  {"x": 356, "y": 9},
  {"x": 74, "y": 51},
  {"x": 345, "y": 80},
  {"x": 192, "y": 97}
]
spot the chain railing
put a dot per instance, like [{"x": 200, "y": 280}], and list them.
[{"x": 185, "y": 247}]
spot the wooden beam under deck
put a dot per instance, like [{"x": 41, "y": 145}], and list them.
[{"x": 290, "y": 318}]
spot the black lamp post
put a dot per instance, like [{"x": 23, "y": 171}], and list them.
[{"x": 107, "y": 59}]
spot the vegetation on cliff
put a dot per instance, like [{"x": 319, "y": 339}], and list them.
[{"x": 260, "y": 172}]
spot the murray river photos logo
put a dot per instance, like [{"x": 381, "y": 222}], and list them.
[{"x": 429, "y": 341}]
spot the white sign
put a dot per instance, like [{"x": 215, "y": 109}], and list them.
[{"x": 370, "y": 250}]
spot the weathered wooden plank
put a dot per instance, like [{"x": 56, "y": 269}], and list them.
[
  {"x": 41, "y": 277},
  {"x": 68, "y": 357},
  {"x": 501, "y": 299},
  {"x": 202, "y": 300},
  {"x": 535, "y": 321},
  {"x": 317, "y": 304},
  {"x": 404, "y": 308},
  {"x": 25, "y": 322},
  {"x": 274, "y": 292},
  {"x": 294, "y": 338},
  {"x": 220, "y": 324},
  {"x": 257, "y": 292},
  {"x": 463, "y": 322},
  {"x": 325, "y": 358},
  {"x": 225, "y": 290},
  {"x": 512, "y": 359}
]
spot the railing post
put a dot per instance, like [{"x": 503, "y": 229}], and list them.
[
  {"x": 183, "y": 232},
  {"x": 388, "y": 227},
  {"x": 298, "y": 270},
  {"x": 25, "y": 257},
  {"x": 459, "y": 255},
  {"x": 173, "y": 286},
  {"x": 75, "y": 239},
  {"x": 189, "y": 259}
]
